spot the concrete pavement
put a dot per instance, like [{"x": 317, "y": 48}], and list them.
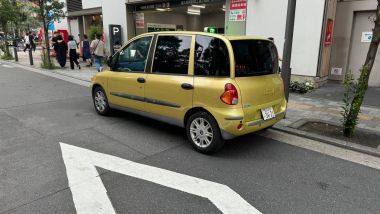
[{"x": 37, "y": 112}]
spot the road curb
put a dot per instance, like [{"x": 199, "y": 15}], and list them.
[{"x": 329, "y": 140}]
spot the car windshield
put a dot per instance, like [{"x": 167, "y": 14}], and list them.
[{"x": 254, "y": 57}]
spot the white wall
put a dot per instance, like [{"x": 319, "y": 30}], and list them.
[
  {"x": 267, "y": 18},
  {"x": 86, "y": 4},
  {"x": 114, "y": 12}
]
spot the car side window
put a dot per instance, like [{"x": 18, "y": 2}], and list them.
[
  {"x": 133, "y": 58},
  {"x": 172, "y": 55},
  {"x": 211, "y": 57}
]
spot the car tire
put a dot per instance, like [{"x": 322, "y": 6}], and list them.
[
  {"x": 100, "y": 101},
  {"x": 203, "y": 133}
]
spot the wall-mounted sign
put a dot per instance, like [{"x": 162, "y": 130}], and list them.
[
  {"x": 115, "y": 38},
  {"x": 336, "y": 71},
  {"x": 174, "y": 4},
  {"x": 154, "y": 6},
  {"x": 329, "y": 32},
  {"x": 367, "y": 37},
  {"x": 140, "y": 20},
  {"x": 238, "y": 10},
  {"x": 153, "y": 27}
]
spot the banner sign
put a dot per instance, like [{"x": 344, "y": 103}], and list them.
[
  {"x": 329, "y": 32},
  {"x": 140, "y": 20},
  {"x": 238, "y": 10}
]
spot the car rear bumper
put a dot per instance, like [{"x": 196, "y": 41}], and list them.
[{"x": 231, "y": 130}]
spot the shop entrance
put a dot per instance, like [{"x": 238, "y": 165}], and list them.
[{"x": 176, "y": 16}]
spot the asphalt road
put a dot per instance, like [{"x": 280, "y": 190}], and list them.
[{"x": 37, "y": 112}]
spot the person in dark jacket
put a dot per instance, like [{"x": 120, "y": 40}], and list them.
[{"x": 60, "y": 48}]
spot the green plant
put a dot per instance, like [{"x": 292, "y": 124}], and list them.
[
  {"x": 7, "y": 57},
  {"x": 301, "y": 87},
  {"x": 94, "y": 30},
  {"x": 45, "y": 63},
  {"x": 353, "y": 98}
]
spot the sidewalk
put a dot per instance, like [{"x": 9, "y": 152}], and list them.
[
  {"x": 85, "y": 73},
  {"x": 304, "y": 107}
]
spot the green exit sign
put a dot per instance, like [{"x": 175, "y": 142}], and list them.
[{"x": 211, "y": 30}]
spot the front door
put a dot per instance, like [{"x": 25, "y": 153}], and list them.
[
  {"x": 127, "y": 83},
  {"x": 169, "y": 88}
]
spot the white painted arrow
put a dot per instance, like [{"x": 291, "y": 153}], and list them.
[{"x": 90, "y": 195}]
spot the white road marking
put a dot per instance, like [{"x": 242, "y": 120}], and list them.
[
  {"x": 7, "y": 66},
  {"x": 341, "y": 153},
  {"x": 90, "y": 195}
]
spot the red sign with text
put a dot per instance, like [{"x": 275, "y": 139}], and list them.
[{"x": 238, "y": 4}]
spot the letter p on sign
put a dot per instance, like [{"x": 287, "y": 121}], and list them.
[{"x": 115, "y": 30}]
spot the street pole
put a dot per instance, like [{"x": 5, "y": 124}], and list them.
[{"x": 287, "y": 55}]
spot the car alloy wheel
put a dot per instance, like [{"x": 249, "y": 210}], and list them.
[
  {"x": 100, "y": 101},
  {"x": 201, "y": 132}
]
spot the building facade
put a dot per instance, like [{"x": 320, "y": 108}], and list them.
[{"x": 327, "y": 33}]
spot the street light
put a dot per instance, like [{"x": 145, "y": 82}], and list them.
[{"x": 287, "y": 55}]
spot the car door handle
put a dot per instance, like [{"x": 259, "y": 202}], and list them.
[
  {"x": 141, "y": 80},
  {"x": 187, "y": 86}
]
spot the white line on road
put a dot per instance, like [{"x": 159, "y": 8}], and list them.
[
  {"x": 7, "y": 66},
  {"x": 90, "y": 195},
  {"x": 341, "y": 153}
]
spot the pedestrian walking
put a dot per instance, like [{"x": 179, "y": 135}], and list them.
[
  {"x": 60, "y": 48},
  {"x": 97, "y": 50},
  {"x": 27, "y": 41},
  {"x": 86, "y": 50},
  {"x": 31, "y": 40},
  {"x": 72, "y": 48}
]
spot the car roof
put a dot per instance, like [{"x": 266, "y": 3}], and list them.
[{"x": 228, "y": 37}]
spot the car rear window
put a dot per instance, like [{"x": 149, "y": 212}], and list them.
[{"x": 254, "y": 57}]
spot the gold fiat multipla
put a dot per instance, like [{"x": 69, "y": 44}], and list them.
[{"x": 217, "y": 87}]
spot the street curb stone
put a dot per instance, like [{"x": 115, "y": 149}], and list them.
[{"x": 329, "y": 140}]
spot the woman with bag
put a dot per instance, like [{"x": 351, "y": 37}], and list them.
[
  {"x": 72, "y": 46},
  {"x": 97, "y": 50}
]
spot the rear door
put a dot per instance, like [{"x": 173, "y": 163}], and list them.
[
  {"x": 256, "y": 73},
  {"x": 169, "y": 87}
]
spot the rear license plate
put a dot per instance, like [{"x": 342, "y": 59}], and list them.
[{"x": 268, "y": 113}]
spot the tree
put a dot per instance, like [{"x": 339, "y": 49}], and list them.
[
  {"x": 7, "y": 15},
  {"x": 362, "y": 83},
  {"x": 48, "y": 12}
]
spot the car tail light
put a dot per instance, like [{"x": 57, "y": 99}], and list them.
[{"x": 230, "y": 95}]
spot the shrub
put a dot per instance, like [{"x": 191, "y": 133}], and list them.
[
  {"x": 301, "y": 87},
  {"x": 45, "y": 62},
  {"x": 352, "y": 100},
  {"x": 93, "y": 30}
]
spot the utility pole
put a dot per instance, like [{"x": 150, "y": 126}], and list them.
[{"x": 287, "y": 55}]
